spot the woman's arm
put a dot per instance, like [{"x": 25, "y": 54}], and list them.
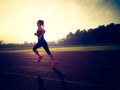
[{"x": 35, "y": 34}]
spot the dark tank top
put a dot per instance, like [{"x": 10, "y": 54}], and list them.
[{"x": 39, "y": 33}]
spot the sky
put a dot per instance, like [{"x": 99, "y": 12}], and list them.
[{"x": 18, "y": 17}]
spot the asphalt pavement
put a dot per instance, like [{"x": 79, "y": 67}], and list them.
[{"x": 76, "y": 70}]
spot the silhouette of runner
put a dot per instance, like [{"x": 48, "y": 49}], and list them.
[{"x": 42, "y": 43}]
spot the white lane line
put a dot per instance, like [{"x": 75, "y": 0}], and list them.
[
  {"x": 58, "y": 80},
  {"x": 19, "y": 74},
  {"x": 82, "y": 83}
]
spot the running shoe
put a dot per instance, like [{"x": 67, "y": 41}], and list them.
[
  {"x": 54, "y": 64},
  {"x": 39, "y": 58}
]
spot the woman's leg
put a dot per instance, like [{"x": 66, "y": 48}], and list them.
[
  {"x": 54, "y": 63},
  {"x": 36, "y": 52},
  {"x": 45, "y": 46},
  {"x": 51, "y": 56}
]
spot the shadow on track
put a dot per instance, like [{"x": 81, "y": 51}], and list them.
[
  {"x": 62, "y": 78},
  {"x": 19, "y": 81},
  {"x": 40, "y": 84}
]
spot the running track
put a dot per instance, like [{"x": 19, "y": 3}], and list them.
[{"x": 93, "y": 70}]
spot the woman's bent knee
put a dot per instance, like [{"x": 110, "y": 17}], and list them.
[{"x": 34, "y": 49}]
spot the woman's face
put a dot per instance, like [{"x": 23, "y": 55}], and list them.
[{"x": 38, "y": 25}]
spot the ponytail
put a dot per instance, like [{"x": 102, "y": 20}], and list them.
[{"x": 41, "y": 22}]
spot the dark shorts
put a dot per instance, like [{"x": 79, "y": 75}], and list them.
[{"x": 42, "y": 43}]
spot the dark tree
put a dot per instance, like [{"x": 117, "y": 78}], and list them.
[{"x": 100, "y": 35}]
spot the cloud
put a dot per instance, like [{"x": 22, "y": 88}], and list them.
[
  {"x": 102, "y": 11},
  {"x": 113, "y": 6}
]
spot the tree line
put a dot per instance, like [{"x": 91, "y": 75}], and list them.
[{"x": 109, "y": 34}]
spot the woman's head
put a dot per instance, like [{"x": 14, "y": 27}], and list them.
[{"x": 40, "y": 22}]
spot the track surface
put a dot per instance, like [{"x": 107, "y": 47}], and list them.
[{"x": 88, "y": 70}]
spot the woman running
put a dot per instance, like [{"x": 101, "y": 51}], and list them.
[{"x": 42, "y": 42}]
